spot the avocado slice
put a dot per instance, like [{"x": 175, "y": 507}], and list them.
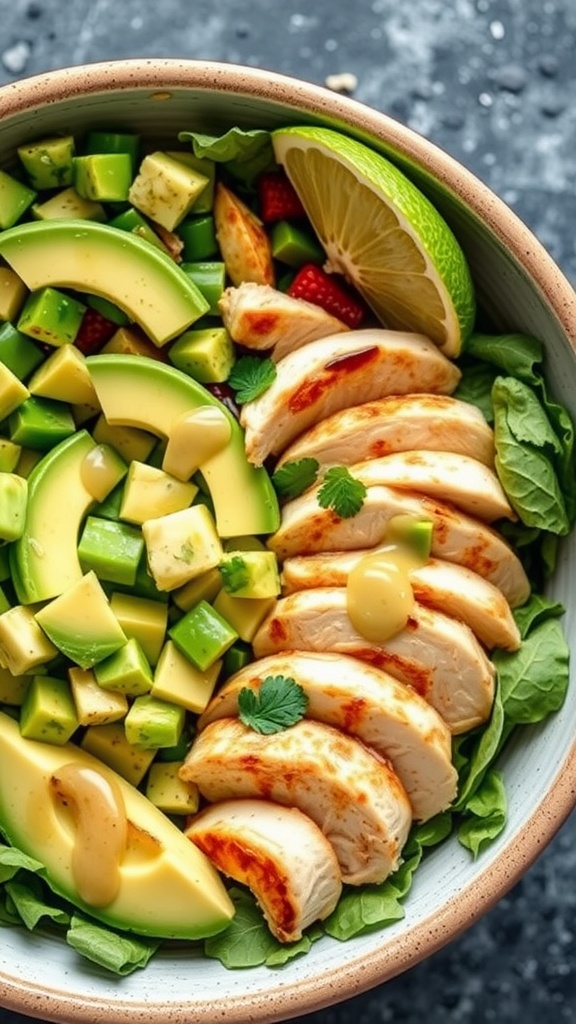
[
  {"x": 116, "y": 265},
  {"x": 167, "y": 887},
  {"x": 145, "y": 393},
  {"x": 44, "y": 560}
]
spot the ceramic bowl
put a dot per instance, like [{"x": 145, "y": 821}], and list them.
[{"x": 522, "y": 289}]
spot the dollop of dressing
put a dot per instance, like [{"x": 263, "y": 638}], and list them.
[
  {"x": 100, "y": 830},
  {"x": 99, "y": 471},
  {"x": 195, "y": 438},
  {"x": 379, "y": 594}
]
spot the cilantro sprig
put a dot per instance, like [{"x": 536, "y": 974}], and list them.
[
  {"x": 251, "y": 376},
  {"x": 279, "y": 703},
  {"x": 293, "y": 478},
  {"x": 341, "y": 492}
]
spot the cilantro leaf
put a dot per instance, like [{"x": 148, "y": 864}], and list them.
[
  {"x": 251, "y": 376},
  {"x": 279, "y": 703},
  {"x": 234, "y": 573},
  {"x": 295, "y": 477},
  {"x": 342, "y": 492}
]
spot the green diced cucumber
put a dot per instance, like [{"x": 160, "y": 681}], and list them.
[
  {"x": 199, "y": 237},
  {"x": 236, "y": 657},
  {"x": 210, "y": 278},
  {"x": 294, "y": 246},
  {"x": 202, "y": 635},
  {"x": 112, "y": 549},
  {"x": 114, "y": 142},
  {"x": 133, "y": 221},
  {"x": 103, "y": 177},
  {"x": 41, "y": 423},
  {"x": 19, "y": 353},
  {"x": 15, "y": 199}
]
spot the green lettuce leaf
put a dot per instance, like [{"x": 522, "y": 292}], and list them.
[
  {"x": 485, "y": 814},
  {"x": 245, "y": 153},
  {"x": 120, "y": 953},
  {"x": 534, "y": 679}
]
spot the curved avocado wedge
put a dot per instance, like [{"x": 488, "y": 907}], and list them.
[
  {"x": 44, "y": 560},
  {"x": 141, "y": 392},
  {"x": 116, "y": 265},
  {"x": 167, "y": 887}
]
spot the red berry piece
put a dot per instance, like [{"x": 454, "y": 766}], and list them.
[
  {"x": 278, "y": 198},
  {"x": 325, "y": 290},
  {"x": 95, "y": 330}
]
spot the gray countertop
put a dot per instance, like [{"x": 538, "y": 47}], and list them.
[{"x": 493, "y": 82}]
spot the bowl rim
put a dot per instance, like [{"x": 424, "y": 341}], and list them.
[{"x": 423, "y": 939}]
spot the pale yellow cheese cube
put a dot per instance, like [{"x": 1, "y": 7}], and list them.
[
  {"x": 181, "y": 546},
  {"x": 94, "y": 705}
]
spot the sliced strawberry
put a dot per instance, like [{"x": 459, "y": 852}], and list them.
[
  {"x": 278, "y": 198},
  {"x": 325, "y": 290},
  {"x": 95, "y": 330}
]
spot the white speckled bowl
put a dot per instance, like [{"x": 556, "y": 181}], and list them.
[{"x": 519, "y": 284}]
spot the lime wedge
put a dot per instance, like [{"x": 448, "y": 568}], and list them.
[{"x": 382, "y": 233}]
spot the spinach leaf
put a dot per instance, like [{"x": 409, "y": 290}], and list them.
[
  {"x": 475, "y": 387},
  {"x": 485, "y": 814},
  {"x": 534, "y": 679},
  {"x": 515, "y": 354}
]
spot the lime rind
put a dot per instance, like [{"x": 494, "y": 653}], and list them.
[{"x": 409, "y": 267}]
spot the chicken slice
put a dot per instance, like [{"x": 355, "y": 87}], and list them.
[
  {"x": 444, "y": 586},
  {"x": 243, "y": 240},
  {"x": 351, "y": 793},
  {"x": 337, "y": 372},
  {"x": 307, "y": 528},
  {"x": 396, "y": 423},
  {"x": 435, "y": 654},
  {"x": 457, "y": 479},
  {"x": 279, "y": 853},
  {"x": 367, "y": 703},
  {"x": 261, "y": 317}
]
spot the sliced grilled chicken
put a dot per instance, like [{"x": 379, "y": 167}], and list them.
[
  {"x": 393, "y": 424},
  {"x": 337, "y": 372},
  {"x": 351, "y": 793},
  {"x": 435, "y": 654},
  {"x": 367, "y": 703},
  {"x": 243, "y": 242},
  {"x": 438, "y": 584},
  {"x": 306, "y": 528},
  {"x": 260, "y": 317},
  {"x": 279, "y": 853},
  {"x": 457, "y": 479}
]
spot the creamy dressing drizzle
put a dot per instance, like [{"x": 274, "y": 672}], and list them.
[
  {"x": 101, "y": 829},
  {"x": 99, "y": 471},
  {"x": 379, "y": 594},
  {"x": 195, "y": 438}
]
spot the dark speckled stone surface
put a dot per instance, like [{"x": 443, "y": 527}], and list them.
[{"x": 494, "y": 83}]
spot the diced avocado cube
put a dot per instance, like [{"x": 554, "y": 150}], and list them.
[
  {"x": 236, "y": 658},
  {"x": 206, "y": 354},
  {"x": 177, "y": 680},
  {"x": 181, "y": 545},
  {"x": 205, "y": 167},
  {"x": 145, "y": 585},
  {"x": 9, "y": 455},
  {"x": 179, "y": 751},
  {"x": 13, "y": 498},
  {"x": 51, "y": 316},
  {"x": 166, "y": 790},
  {"x": 48, "y": 162},
  {"x": 109, "y": 744},
  {"x": 5, "y": 603},
  {"x": 13, "y": 689},
  {"x": 203, "y": 635},
  {"x": 41, "y": 423},
  {"x": 126, "y": 671},
  {"x": 81, "y": 624},
  {"x": 250, "y": 574},
  {"x": 153, "y": 723},
  {"x": 130, "y": 341},
  {"x": 202, "y": 588},
  {"x": 114, "y": 142},
  {"x": 5, "y": 572},
  {"x": 143, "y": 620},
  {"x": 18, "y": 353},
  {"x": 198, "y": 234},
  {"x": 13, "y": 294},
  {"x": 166, "y": 189},
  {"x": 29, "y": 458},
  {"x": 15, "y": 199},
  {"x": 23, "y": 644},
  {"x": 244, "y": 616},
  {"x": 210, "y": 279},
  {"x": 48, "y": 713},
  {"x": 12, "y": 392},
  {"x": 132, "y": 220},
  {"x": 64, "y": 377},
  {"x": 112, "y": 549},
  {"x": 95, "y": 705},
  {"x": 103, "y": 177},
  {"x": 109, "y": 507},
  {"x": 414, "y": 532},
  {"x": 68, "y": 205},
  {"x": 294, "y": 246},
  {"x": 130, "y": 442},
  {"x": 150, "y": 493}
]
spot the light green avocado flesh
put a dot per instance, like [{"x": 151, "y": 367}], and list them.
[
  {"x": 151, "y": 395},
  {"x": 116, "y": 265},
  {"x": 44, "y": 560},
  {"x": 168, "y": 888}
]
